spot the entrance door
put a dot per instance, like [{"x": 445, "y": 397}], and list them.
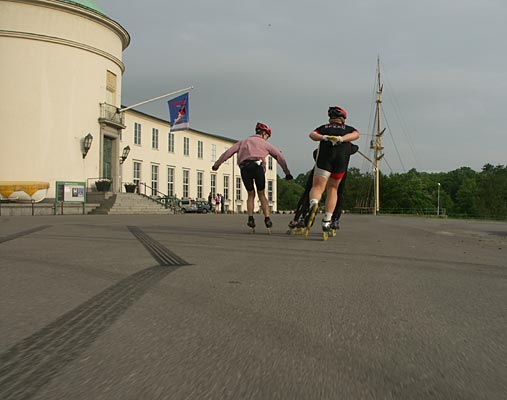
[{"x": 107, "y": 157}]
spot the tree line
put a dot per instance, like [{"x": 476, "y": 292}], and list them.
[{"x": 462, "y": 193}]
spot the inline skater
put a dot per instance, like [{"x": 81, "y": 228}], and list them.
[
  {"x": 252, "y": 153},
  {"x": 303, "y": 204},
  {"x": 331, "y": 163}
]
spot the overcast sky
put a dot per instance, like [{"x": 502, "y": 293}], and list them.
[{"x": 283, "y": 62}]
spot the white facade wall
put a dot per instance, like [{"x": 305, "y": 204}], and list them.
[
  {"x": 53, "y": 65},
  {"x": 55, "y": 61},
  {"x": 147, "y": 156}
]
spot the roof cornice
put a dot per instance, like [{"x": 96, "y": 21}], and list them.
[{"x": 85, "y": 12}]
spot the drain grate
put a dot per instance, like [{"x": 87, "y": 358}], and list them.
[
  {"x": 161, "y": 254},
  {"x": 23, "y": 233}
]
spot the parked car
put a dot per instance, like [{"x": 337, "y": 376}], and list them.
[
  {"x": 203, "y": 207},
  {"x": 188, "y": 206}
]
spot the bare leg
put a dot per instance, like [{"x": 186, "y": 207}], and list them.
[
  {"x": 332, "y": 194},
  {"x": 318, "y": 187},
  {"x": 250, "y": 202},
  {"x": 264, "y": 202}
]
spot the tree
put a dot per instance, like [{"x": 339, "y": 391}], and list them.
[
  {"x": 491, "y": 196},
  {"x": 462, "y": 191},
  {"x": 466, "y": 198},
  {"x": 289, "y": 193}
]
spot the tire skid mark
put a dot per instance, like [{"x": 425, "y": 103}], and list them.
[
  {"x": 23, "y": 233},
  {"x": 29, "y": 365},
  {"x": 163, "y": 255}
]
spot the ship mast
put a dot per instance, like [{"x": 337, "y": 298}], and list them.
[{"x": 376, "y": 144}]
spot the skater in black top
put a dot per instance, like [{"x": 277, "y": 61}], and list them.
[
  {"x": 332, "y": 161},
  {"x": 304, "y": 201}
]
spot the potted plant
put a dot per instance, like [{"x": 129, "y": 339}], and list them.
[
  {"x": 103, "y": 185},
  {"x": 130, "y": 187}
]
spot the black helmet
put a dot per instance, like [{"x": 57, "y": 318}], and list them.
[{"x": 336, "y": 112}]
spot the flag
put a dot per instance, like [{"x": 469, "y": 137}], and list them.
[{"x": 179, "y": 112}]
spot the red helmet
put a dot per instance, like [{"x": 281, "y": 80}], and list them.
[
  {"x": 336, "y": 112},
  {"x": 262, "y": 127}
]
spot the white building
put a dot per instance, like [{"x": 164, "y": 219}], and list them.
[
  {"x": 60, "y": 79},
  {"x": 179, "y": 163}
]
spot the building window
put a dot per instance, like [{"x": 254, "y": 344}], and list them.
[
  {"x": 137, "y": 133},
  {"x": 270, "y": 162},
  {"x": 186, "y": 182},
  {"x": 270, "y": 190},
  {"x": 200, "y": 145},
  {"x": 154, "y": 139},
  {"x": 154, "y": 180},
  {"x": 226, "y": 187},
  {"x": 170, "y": 142},
  {"x": 170, "y": 181},
  {"x": 213, "y": 184},
  {"x": 137, "y": 173},
  {"x": 238, "y": 188},
  {"x": 213, "y": 152},
  {"x": 200, "y": 176},
  {"x": 186, "y": 146}
]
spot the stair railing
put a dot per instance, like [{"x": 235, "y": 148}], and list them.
[{"x": 163, "y": 199}]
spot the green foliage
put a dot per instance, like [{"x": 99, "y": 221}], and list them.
[
  {"x": 358, "y": 189},
  {"x": 301, "y": 179},
  {"x": 462, "y": 192},
  {"x": 289, "y": 193}
]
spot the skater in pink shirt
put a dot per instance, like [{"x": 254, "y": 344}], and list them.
[{"x": 252, "y": 153}]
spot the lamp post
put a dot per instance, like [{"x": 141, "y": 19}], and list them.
[
  {"x": 87, "y": 144},
  {"x": 124, "y": 154},
  {"x": 438, "y": 200}
]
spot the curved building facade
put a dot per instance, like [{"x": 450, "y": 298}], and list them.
[
  {"x": 60, "y": 79},
  {"x": 60, "y": 82}
]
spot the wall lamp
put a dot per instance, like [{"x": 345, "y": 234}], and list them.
[
  {"x": 124, "y": 154},
  {"x": 87, "y": 144}
]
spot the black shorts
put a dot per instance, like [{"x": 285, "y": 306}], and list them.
[
  {"x": 252, "y": 172},
  {"x": 334, "y": 159}
]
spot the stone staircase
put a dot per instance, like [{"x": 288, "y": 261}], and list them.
[{"x": 129, "y": 203}]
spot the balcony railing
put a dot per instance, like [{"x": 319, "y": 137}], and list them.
[{"x": 109, "y": 115}]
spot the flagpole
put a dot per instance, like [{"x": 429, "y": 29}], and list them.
[{"x": 155, "y": 98}]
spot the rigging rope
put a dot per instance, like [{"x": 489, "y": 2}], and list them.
[
  {"x": 394, "y": 143},
  {"x": 399, "y": 115}
]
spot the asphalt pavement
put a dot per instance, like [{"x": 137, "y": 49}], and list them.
[{"x": 196, "y": 307}]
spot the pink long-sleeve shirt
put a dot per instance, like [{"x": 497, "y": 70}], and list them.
[{"x": 253, "y": 148}]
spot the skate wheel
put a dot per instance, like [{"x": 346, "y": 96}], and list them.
[
  {"x": 333, "y": 233},
  {"x": 252, "y": 231},
  {"x": 325, "y": 235},
  {"x": 313, "y": 213},
  {"x": 298, "y": 231},
  {"x": 269, "y": 231}
]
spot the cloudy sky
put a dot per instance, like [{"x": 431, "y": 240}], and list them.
[{"x": 283, "y": 62}]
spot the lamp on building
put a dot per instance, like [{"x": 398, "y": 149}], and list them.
[
  {"x": 124, "y": 154},
  {"x": 87, "y": 144}
]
